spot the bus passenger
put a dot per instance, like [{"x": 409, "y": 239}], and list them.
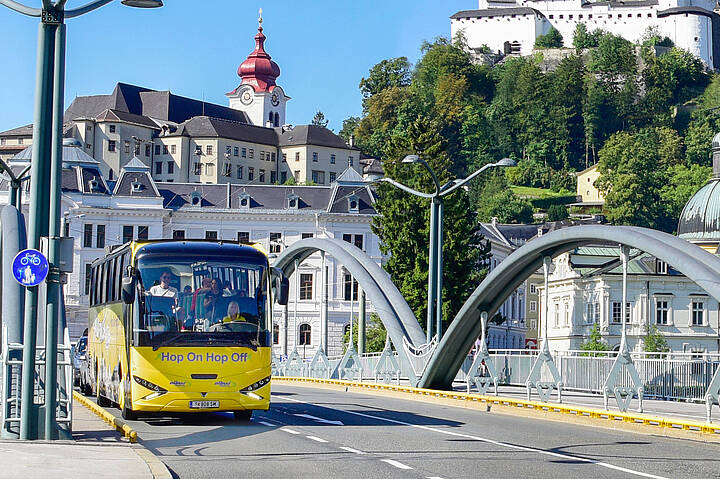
[
  {"x": 211, "y": 297},
  {"x": 164, "y": 288},
  {"x": 199, "y": 310},
  {"x": 233, "y": 313}
]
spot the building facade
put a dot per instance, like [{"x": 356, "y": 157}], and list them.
[{"x": 511, "y": 26}]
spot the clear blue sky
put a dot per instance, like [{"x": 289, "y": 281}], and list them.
[{"x": 193, "y": 48}]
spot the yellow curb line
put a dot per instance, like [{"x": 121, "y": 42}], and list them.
[
  {"x": 118, "y": 424},
  {"x": 668, "y": 426}
]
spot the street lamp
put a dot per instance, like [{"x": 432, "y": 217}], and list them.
[
  {"x": 435, "y": 265},
  {"x": 45, "y": 193}
]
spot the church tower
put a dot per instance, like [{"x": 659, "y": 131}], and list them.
[{"x": 257, "y": 95}]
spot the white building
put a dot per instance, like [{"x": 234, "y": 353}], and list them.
[
  {"x": 100, "y": 213},
  {"x": 511, "y": 26},
  {"x": 192, "y": 141}
]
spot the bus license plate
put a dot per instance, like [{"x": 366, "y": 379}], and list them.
[{"x": 204, "y": 404}]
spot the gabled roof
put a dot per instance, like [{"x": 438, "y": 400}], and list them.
[
  {"x": 136, "y": 175},
  {"x": 118, "y": 115},
  {"x": 310, "y": 135},
  {"x": 207, "y": 127},
  {"x": 71, "y": 155},
  {"x": 26, "y": 130}
]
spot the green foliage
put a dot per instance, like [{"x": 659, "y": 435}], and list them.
[
  {"x": 393, "y": 72},
  {"x": 552, "y": 39},
  {"x": 594, "y": 342},
  {"x": 613, "y": 61},
  {"x": 348, "y": 127},
  {"x": 557, "y": 213},
  {"x": 290, "y": 181},
  {"x": 583, "y": 39},
  {"x": 375, "y": 334},
  {"x": 319, "y": 120},
  {"x": 654, "y": 341},
  {"x": 497, "y": 200},
  {"x": 682, "y": 182},
  {"x": 653, "y": 38}
]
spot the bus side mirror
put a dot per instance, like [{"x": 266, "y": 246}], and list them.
[
  {"x": 128, "y": 289},
  {"x": 281, "y": 286}
]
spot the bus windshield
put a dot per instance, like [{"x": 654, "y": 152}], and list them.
[{"x": 185, "y": 301}]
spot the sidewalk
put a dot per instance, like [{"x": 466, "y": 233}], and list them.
[{"x": 96, "y": 452}]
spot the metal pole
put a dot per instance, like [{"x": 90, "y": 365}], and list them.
[
  {"x": 297, "y": 299},
  {"x": 352, "y": 294},
  {"x": 324, "y": 303},
  {"x": 54, "y": 299},
  {"x": 361, "y": 320},
  {"x": 624, "y": 250},
  {"x": 286, "y": 323},
  {"x": 13, "y": 193},
  {"x": 37, "y": 221},
  {"x": 547, "y": 260},
  {"x": 432, "y": 268},
  {"x": 439, "y": 269}
]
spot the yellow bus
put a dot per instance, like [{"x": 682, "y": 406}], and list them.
[{"x": 182, "y": 326}]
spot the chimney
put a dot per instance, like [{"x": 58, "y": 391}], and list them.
[{"x": 351, "y": 141}]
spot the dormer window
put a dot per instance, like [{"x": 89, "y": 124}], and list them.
[
  {"x": 293, "y": 201},
  {"x": 227, "y": 169},
  {"x": 136, "y": 186},
  {"x": 353, "y": 204},
  {"x": 244, "y": 201},
  {"x": 195, "y": 198},
  {"x": 198, "y": 150}
]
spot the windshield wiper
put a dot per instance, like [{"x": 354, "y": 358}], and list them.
[
  {"x": 252, "y": 344},
  {"x": 169, "y": 340}
]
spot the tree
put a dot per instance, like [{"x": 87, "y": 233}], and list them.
[
  {"x": 348, "y": 128},
  {"x": 319, "y": 120},
  {"x": 375, "y": 334},
  {"x": 682, "y": 182},
  {"x": 654, "y": 341},
  {"x": 583, "y": 39},
  {"x": 393, "y": 72},
  {"x": 613, "y": 61},
  {"x": 594, "y": 342},
  {"x": 290, "y": 181},
  {"x": 552, "y": 39},
  {"x": 557, "y": 213}
]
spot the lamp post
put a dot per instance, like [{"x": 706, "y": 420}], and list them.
[
  {"x": 44, "y": 211},
  {"x": 435, "y": 265}
]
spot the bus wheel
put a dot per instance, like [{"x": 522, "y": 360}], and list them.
[{"x": 242, "y": 416}]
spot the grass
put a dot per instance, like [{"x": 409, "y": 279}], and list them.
[{"x": 530, "y": 192}]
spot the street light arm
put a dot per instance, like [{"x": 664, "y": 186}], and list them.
[
  {"x": 88, "y": 7},
  {"x": 20, "y": 8},
  {"x": 407, "y": 188},
  {"x": 432, "y": 173},
  {"x": 4, "y": 166},
  {"x": 458, "y": 183}
]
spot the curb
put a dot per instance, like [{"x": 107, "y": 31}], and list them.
[
  {"x": 158, "y": 469},
  {"x": 636, "y": 422}
]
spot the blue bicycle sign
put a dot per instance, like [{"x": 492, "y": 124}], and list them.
[{"x": 30, "y": 267}]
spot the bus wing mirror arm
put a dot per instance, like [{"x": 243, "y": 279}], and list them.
[
  {"x": 128, "y": 289},
  {"x": 281, "y": 286}
]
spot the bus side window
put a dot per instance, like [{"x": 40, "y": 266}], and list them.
[
  {"x": 92, "y": 287},
  {"x": 119, "y": 273},
  {"x": 103, "y": 283}
]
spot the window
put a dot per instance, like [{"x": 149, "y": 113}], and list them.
[
  {"x": 147, "y": 150},
  {"x": 275, "y": 240},
  {"x": 617, "y": 312},
  {"x": 239, "y": 172},
  {"x": 3, "y": 141},
  {"x": 262, "y": 155},
  {"x": 209, "y": 150},
  {"x": 557, "y": 314},
  {"x": 20, "y": 141},
  {"x": 171, "y": 167},
  {"x": 315, "y": 156},
  {"x": 350, "y": 161},
  {"x": 158, "y": 168},
  {"x": 236, "y": 151},
  {"x": 318, "y": 177},
  {"x": 211, "y": 235},
  {"x": 111, "y": 174},
  {"x": 272, "y": 156},
  {"x": 157, "y": 149},
  {"x": 296, "y": 174},
  {"x": 112, "y": 128},
  {"x": 244, "y": 153},
  {"x": 127, "y": 147},
  {"x": 297, "y": 156},
  {"x": 142, "y": 232},
  {"x": 284, "y": 157},
  {"x": 283, "y": 176},
  {"x": 305, "y": 335},
  {"x": 251, "y": 174},
  {"x": 228, "y": 150},
  {"x": 111, "y": 145},
  {"x": 533, "y": 289},
  {"x": 698, "y": 312},
  {"x": 261, "y": 176},
  {"x": 66, "y": 228},
  {"x": 165, "y": 149},
  {"x": 273, "y": 177},
  {"x": 592, "y": 313},
  {"x": 333, "y": 176},
  {"x": 252, "y": 153},
  {"x": 137, "y": 148},
  {"x": 197, "y": 168},
  {"x": 243, "y": 236},
  {"x": 350, "y": 287},
  {"x": 87, "y": 236},
  {"x": 306, "y": 282},
  {"x": 661, "y": 266},
  {"x": 566, "y": 310},
  {"x": 533, "y": 306},
  {"x": 209, "y": 168},
  {"x": 662, "y": 308},
  {"x": 127, "y": 233},
  {"x": 357, "y": 240},
  {"x": 100, "y": 237},
  {"x": 332, "y": 158},
  {"x": 276, "y": 333},
  {"x": 178, "y": 234},
  {"x": 307, "y": 235},
  {"x": 88, "y": 276},
  {"x": 173, "y": 149}
]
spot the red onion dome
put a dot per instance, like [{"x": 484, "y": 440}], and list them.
[{"x": 258, "y": 69}]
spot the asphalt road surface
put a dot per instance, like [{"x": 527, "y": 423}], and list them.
[{"x": 318, "y": 433}]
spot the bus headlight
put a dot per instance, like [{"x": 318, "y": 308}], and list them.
[
  {"x": 157, "y": 390},
  {"x": 248, "y": 391}
]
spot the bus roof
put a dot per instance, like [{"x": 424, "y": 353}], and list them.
[{"x": 199, "y": 248}]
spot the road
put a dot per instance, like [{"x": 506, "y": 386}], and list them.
[{"x": 312, "y": 432}]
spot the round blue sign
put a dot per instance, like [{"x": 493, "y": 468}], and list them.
[{"x": 30, "y": 267}]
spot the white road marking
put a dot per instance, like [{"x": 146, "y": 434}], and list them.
[
  {"x": 315, "y": 438},
  {"x": 291, "y": 431},
  {"x": 399, "y": 465},
  {"x": 434, "y": 477},
  {"x": 497, "y": 443},
  {"x": 319, "y": 419},
  {"x": 350, "y": 449},
  {"x": 266, "y": 423}
]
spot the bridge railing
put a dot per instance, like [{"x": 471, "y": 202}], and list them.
[{"x": 684, "y": 376}]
